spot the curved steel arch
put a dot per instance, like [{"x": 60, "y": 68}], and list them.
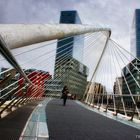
[{"x": 19, "y": 35}]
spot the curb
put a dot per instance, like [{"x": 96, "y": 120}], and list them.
[
  {"x": 36, "y": 127},
  {"x": 109, "y": 114}
]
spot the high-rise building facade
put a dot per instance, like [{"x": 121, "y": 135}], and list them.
[
  {"x": 69, "y": 55},
  {"x": 71, "y": 47},
  {"x": 74, "y": 75},
  {"x": 131, "y": 74},
  {"x": 135, "y": 34},
  {"x": 129, "y": 85}
]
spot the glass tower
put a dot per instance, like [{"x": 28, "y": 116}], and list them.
[
  {"x": 69, "y": 69},
  {"x": 71, "y": 47},
  {"x": 135, "y": 34}
]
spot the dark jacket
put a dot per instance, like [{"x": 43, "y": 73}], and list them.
[{"x": 65, "y": 93}]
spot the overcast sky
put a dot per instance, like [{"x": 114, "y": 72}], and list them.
[{"x": 115, "y": 14}]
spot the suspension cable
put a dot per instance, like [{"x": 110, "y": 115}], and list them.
[
  {"x": 47, "y": 52},
  {"x": 126, "y": 83},
  {"x": 120, "y": 91},
  {"x": 12, "y": 84}
]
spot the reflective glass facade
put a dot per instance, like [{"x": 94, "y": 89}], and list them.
[
  {"x": 135, "y": 34},
  {"x": 68, "y": 66},
  {"x": 71, "y": 47}
]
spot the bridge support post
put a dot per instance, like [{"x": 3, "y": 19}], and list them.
[
  {"x": 133, "y": 113},
  {"x": 86, "y": 94}
]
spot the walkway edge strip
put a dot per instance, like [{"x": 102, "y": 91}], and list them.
[
  {"x": 36, "y": 125},
  {"x": 109, "y": 114}
]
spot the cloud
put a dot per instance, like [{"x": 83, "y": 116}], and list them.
[{"x": 116, "y": 14}]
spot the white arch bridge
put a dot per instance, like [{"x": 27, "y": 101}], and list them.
[{"x": 108, "y": 105}]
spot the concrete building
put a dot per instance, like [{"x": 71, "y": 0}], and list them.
[
  {"x": 95, "y": 90},
  {"x": 74, "y": 75},
  {"x": 53, "y": 86},
  {"x": 118, "y": 85}
]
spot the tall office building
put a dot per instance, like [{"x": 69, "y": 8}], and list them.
[
  {"x": 129, "y": 83},
  {"x": 69, "y": 55},
  {"x": 128, "y": 80},
  {"x": 135, "y": 34},
  {"x": 71, "y": 47}
]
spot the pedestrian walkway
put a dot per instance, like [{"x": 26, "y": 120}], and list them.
[
  {"x": 12, "y": 125},
  {"x": 57, "y": 122},
  {"x": 74, "y": 122}
]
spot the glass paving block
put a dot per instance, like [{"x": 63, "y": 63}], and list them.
[
  {"x": 35, "y": 111},
  {"x": 41, "y": 111},
  {"x": 42, "y": 130},
  {"x": 42, "y": 118},
  {"x": 43, "y": 107},
  {"x": 34, "y": 118},
  {"x": 29, "y": 138},
  {"x": 31, "y": 129},
  {"x": 37, "y": 127},
  {"x": 42, "y": 138}
]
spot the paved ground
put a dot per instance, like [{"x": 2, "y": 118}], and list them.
[
  {"x": 12, "y": 125},
  {"x": 74, "y": 122}
]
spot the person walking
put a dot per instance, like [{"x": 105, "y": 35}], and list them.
[{"x": 65, "y": 92}]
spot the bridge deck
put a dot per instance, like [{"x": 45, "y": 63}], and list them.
[
  {"x": 12, "y": 125},
  {"x": 73, "y": 122}
]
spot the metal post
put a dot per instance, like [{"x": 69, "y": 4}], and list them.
[{"x": 105, "y": 46}]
